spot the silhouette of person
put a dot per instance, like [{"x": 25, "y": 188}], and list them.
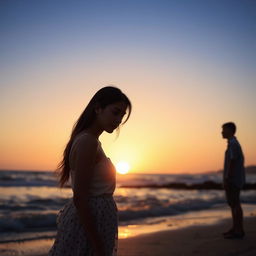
[
  {"x": 233, "y": 179},
  {"x": 87, "y": 224}
]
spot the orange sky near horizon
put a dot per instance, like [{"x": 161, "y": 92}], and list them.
[
  {"x": 161, "y": 138},
  {"x": 187, "y": 69}
]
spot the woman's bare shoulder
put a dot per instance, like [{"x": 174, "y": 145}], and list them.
[{"x": 85, "y": 140}]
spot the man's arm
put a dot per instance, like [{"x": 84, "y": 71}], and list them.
[
  {"x": 230, "y": 170},
  {"x": 233, "y": 156}
]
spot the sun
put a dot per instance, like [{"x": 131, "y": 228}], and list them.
[{"x": 122, "y": 167}]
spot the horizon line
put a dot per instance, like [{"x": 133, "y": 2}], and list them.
[{"x": 162, "y": 173}]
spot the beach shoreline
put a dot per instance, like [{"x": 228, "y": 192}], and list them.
[{"x": 194, "y": 233}]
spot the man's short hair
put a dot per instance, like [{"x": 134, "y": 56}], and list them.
[{"x": 231, "y": 126}]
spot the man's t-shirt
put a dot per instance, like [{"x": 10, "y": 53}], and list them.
[{"x": 234, "y": 152}]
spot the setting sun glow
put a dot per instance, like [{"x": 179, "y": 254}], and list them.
[{"x": 122, "y": 167}]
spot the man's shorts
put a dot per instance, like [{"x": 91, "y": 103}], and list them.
[{"x": 232, "y": 195}]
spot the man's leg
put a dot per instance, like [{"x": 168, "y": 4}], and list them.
[
  {"x": 237, "y": 214},
  {"x": 229, "y": 195},
  {"x": 233, "y": 218},
  {"x": 238, "y": 218}
]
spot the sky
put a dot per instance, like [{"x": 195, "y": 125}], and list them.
[{"x": 188, "y": 66}]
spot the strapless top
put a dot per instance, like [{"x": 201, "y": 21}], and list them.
[{"x": 104, "y": 172}]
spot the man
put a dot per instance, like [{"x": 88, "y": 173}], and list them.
[{"x": 234, "y": 179}]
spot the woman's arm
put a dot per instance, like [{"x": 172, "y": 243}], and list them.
[{"x": 84, "y": 155}]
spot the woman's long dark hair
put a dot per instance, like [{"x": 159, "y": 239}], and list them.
[{"x": 104, "y": 97}]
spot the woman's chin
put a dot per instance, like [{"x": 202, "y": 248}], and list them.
[{"x": 109, "y": 130}]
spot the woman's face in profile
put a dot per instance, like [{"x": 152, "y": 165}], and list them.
[{"x": 110, "y": 117}]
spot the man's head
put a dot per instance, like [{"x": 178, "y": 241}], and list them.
[{"x": 228, "y": 130}]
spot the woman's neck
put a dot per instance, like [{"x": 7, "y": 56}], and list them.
[{"x": 95, "y": 131}]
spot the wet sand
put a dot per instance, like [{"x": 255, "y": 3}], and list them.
[{"x": 195, "y": 240}]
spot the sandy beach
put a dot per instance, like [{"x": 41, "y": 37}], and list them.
[
  {"x": 195, "y": 233},
  {"x": 195, "y": 240}
]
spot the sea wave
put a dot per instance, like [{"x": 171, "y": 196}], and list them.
[
  {"x": 27, "y": 179},
  {"x": 28, "y": 220}
]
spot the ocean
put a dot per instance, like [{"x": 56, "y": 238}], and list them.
[{"x": 30, "y": 200}]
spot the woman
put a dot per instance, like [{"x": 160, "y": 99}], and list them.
[{"x": 87, "y": 225}]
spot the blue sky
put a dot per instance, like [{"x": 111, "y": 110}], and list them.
[{"x": 35, "y": 28}]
